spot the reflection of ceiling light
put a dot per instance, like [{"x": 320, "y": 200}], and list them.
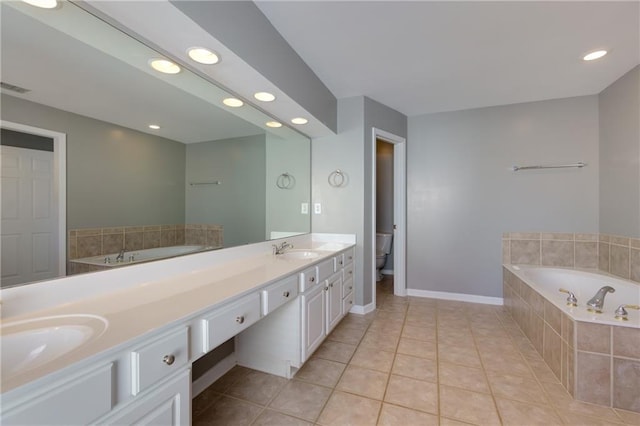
[
  {"x": 233, "y": 102},
  {"x": 594, "y": 55},
  {"x": 154, "y": 126},
  {"x": 273, "y": 124},
  {"x": 45, "y": 4},
  {"x": 264, "y": 96},
  {"x": 164, "y": 66},
  {"x": 299, "y": 120},
  {"x": 203, "y": 56}
]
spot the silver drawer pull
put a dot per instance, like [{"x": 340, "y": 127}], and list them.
[
  {"x": 350, "y": 287},
  {"x": 312, "y": 279},
  {"x": 351, "y": 302},
  {"x": 331, "y": 285},
  {"x": 286, "y": 294},
  {"x": 240, "y": 319},
  {"x": 350, "y": 272},
  {"x": 350, "y": 257},
  {"x": 340, "y": 263},
  {"x": 169, "y": 359}
]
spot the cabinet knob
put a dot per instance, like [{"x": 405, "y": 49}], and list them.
[
  {"x": 169, "y": 359},
  {"x": 331, "y": 285},
  {"x": 340, "y": 263},
  {"x": 286, "y": 294},
  {"x": 351, "y": 302},
  {"x": 350, "y": 257},
  {"x": 326, "y": 288},
  {"x": 240, "y": 319},
  {"x": 350, "y": 287},
  {"x": 312, "y": 279}
]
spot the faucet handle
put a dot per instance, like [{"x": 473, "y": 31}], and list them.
[
  {"x": 572, "y": 300},
  {"x": 622, "y": 314}
]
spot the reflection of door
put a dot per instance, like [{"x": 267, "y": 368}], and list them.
[{"x": 29, "y": 216}]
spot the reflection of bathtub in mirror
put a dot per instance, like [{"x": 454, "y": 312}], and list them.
[{"x": 108, "y": 261}]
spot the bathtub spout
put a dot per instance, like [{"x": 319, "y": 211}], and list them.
[{"x": 597, "y": 302}]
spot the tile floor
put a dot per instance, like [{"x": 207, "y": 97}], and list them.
[{"x": 412, "y": 362}]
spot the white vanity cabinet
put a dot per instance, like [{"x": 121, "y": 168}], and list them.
[{"x": 281, "y": 342}]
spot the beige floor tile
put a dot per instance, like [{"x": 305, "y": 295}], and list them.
[
  {"x": 462, "y": 355},
  {"x": 389, "y": 315},
  {"x": 273, "y": 418},
  {"x": 226, "y": 411},
  {"x": 347, "y": 409},
  {"x": 419, "y": 348},
  {"x": 460, "y": 376},
  {"x": 518, "y": 388},
  {"x": 381, "y": 341},
  {"x": 364, "y": 382},
  {"x": 578, "y": 420},
  {"x": 386, "y": 326},
  {"x": 556, "y": 393},
  {"x": 392, "y": 415},
  {"x": 572, "y": 406},
  {"x": 300, "y": 399},
  {"x": 419, "y": 333},
  {"x": 373, "y": 359},
  {"x": 518, "y": 413},
  {"x": 414, "y": 367},
  {"x": 472, "y": 407},
  {"x": 500, "y": 365},
  {"x": 444, "y": 421},
  {"x": 203, "y": 401},
  {"x": 321, "y": 372},
  {"x": 351, "y": 336},
  {"x": 355, "y": 321},
  {"x": 257, "y": 387},
  {"x": 412, "y": 393},
  {"x": 335, "y": 351},
  {"x": 542, "y": 371},
  {"x": 225, "y": 382},
  {"x": 629, "y": 417}
]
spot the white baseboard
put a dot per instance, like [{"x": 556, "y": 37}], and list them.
[
  {"x": 461, "y": 297},
  {"x": 208, "y": 378},
  {"x": 362, "y": 310}
]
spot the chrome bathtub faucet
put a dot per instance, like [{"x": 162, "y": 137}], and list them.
[
  {"x": 622, "y": 314},
  {"x": 120, "y": 256},
  {"x": 281, "y": 248},
  {"x": 572, "y": 300},
  {"x": 596, "y": 303}
]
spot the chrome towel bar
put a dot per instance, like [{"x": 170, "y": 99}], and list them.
[{"x": 557, "y": 166}]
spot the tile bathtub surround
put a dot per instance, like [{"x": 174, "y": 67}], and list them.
[
  {"x": 596, "y": 363},
  {"x": 613, "y": 254},
  {"x": 440, "y": 362}
]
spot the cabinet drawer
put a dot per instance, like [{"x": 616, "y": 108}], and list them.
[
  {"x": 308, "y": 278},
  {"x": 347, "y": 272},
  {"x": 79, "y": 400},
  {"x": 158, "y": 359},
  {"x": 347, "y": 303},
  {"x": 228, "y": 321},
  {"x": 326, "y": 268},
  {"x": 347, "y": 287},
  {"x": 279, "y": 293},
  {"x": 349, "y": 255}
]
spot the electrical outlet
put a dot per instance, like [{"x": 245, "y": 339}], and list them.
[
  {"x": 317, "y": 208},
  {"x": 304, "y": 208}
]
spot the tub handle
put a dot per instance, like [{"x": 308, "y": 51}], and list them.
[
  {"x": 571, "y": 299},
  {"x": 621, "y": 312}
]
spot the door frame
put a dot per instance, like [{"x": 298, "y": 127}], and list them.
[
  {"x": 59, "y": 183},
  {"x": 399, "y": 211}
]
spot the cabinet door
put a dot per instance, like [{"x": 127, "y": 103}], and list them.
[
  {"x": 313, "y": 321},
  {"x": 334, "y": 301}
]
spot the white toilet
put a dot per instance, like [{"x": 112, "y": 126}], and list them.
[{"x": 383, "y": 248}]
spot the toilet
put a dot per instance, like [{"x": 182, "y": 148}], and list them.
[{"x": 383, "y": 248}]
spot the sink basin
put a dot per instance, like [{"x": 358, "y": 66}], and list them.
[
  {"x": 299, "y": 254},
  {"x": 32, "y": 343}
]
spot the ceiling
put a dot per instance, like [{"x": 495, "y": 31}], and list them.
[{"x": 425, "y": 57}]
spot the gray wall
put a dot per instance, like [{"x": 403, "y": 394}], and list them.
[
  {"x": 384, "y": 193},
  {"x": 284, "y": 205},
  {"x": 352, "y": 150},
  {"x": 115, "y": 176},
  {"x": 238, "y": 203},
  {"x": 620, "y": 156},
  {"x": 244, "y": 29},
  {"x": 462, "y": 194}
]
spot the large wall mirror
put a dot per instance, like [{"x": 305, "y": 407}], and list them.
[{"x": 210, "y": 177}]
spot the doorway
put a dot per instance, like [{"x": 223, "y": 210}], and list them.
[
  {"x": 398, "y": 222},
  {"x": 33, "y": 204}
]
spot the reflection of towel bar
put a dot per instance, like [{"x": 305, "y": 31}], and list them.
[
  {"x": 559, "y": 166},
  {"x": 213, "y": 182},
  {"x": 286, "y": 181}
]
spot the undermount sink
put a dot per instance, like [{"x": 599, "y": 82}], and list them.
[
  {"x": 299, "y": 254},
  {"x": 32, "y": 343}
]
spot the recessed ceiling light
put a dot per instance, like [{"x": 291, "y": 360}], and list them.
[
  {"x": 594, "y": 55},
  {"x": 164, "y": 66},
  {"x": 203, "y": 56},
  {"x": 45, "y": 4},
  {"x": 232, "y": 102},
  {"x": 154, "y": 126},
  {"x": 264, "y": 96},
  {"x": 299, "y": 120},
  {"x": 273, "y": 124}
]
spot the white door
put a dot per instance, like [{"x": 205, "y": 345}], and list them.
[{"x": 29, "y": 225}]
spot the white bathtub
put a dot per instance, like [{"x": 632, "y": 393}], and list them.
[
  {"x": 547, "y": 281},
  {"x": 138, "y": 256}
]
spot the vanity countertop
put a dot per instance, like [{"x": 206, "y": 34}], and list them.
[{"x": 184, "y": 294}]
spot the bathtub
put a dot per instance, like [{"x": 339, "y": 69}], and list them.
[
  {"x": 133, "y": 257},
  {"x": 584, "y": 285}
]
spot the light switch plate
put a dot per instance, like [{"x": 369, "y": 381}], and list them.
[{"x": 317, "y": 208}]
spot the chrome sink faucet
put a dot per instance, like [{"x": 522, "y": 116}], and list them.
[
  {"x": 596, "y": 302},
  {"x": 280, "y": 249},
  {"x": 120, "y": 256}
]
